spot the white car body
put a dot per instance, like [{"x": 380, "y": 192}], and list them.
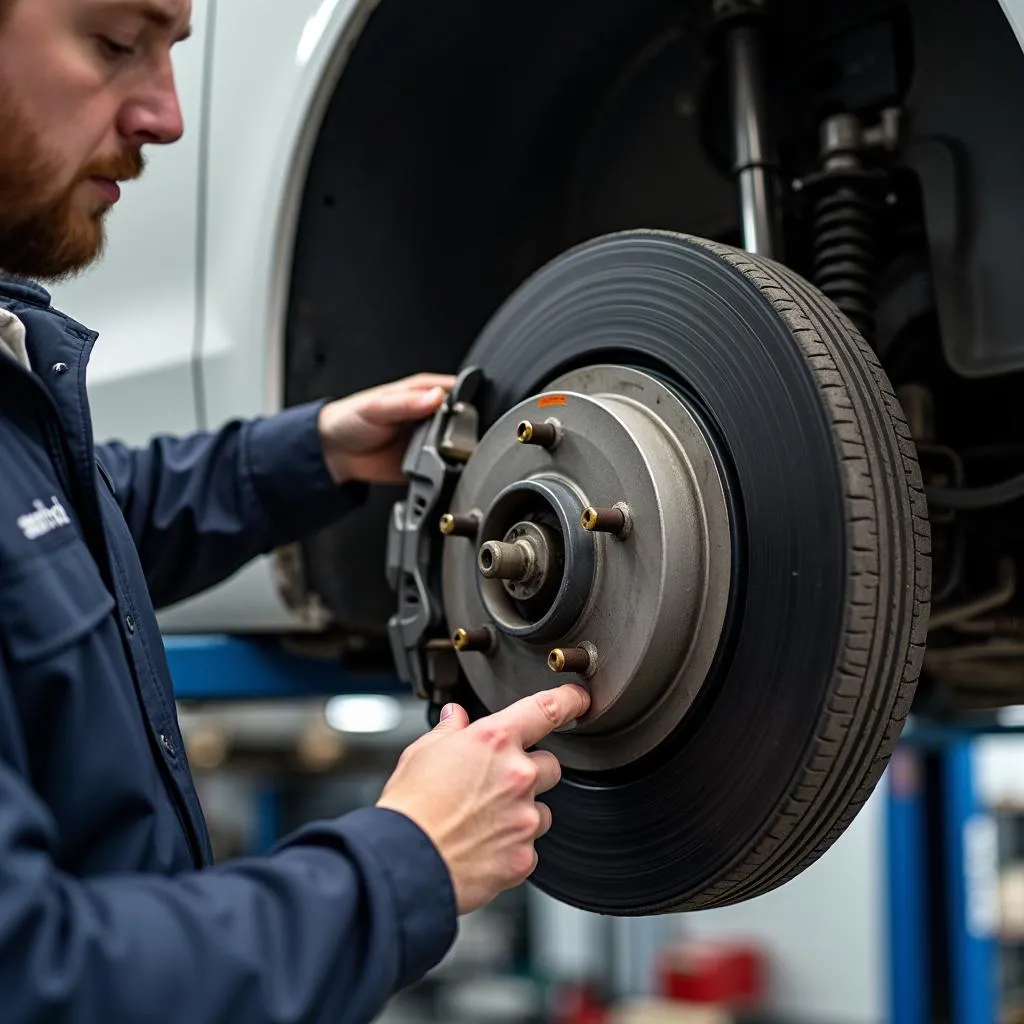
[{"x": 190, "y": 299}]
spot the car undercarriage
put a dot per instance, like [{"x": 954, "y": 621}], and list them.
[{"x": 730, "y": 290}]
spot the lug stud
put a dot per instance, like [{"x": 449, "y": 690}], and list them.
[
  {"x": 467, "y": 640},
  {"x": 545, "y": 434},
  {"x": 438, "y": 645},
  {"x": 615, "y": 520},
  {"x": 580, "y": 660},
  {"x": 459, "y": 526}
]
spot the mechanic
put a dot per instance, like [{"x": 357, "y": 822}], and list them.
[{"x": 111, "y": 909}]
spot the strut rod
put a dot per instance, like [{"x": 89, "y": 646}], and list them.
[{"x": 754, "y": 160}]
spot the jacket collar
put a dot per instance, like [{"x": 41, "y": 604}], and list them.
[
  {"x": 24, "y": 289},
  {"x": 52, "y": 340}
]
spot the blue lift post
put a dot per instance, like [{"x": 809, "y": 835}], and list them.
[
  {"x": 972, "y": 890},
  {"x": 908, "y": 924},
  {"x": 971, "y": 898},
  {"x": 225, "y": 668}
]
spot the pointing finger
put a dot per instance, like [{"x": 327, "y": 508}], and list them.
[{"x": 531, "y": 719}]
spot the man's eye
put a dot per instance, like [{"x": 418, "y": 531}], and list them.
[{"x": 115, "y": 49}]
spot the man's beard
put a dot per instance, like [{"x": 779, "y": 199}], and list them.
[{"x": 60, "y": 236}]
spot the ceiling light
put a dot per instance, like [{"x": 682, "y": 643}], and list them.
[{"x": 363, "y": 714}]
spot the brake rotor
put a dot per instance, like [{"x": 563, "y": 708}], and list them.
[
  {"x": 643, "y": 599},
  {"x": 749, "y": 613}
]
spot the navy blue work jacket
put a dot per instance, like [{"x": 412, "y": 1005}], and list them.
[{"x": 110, "y": 908}]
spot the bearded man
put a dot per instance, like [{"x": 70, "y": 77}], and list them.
[{"x": 111, "y": 909}]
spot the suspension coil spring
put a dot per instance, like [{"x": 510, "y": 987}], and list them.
[{"x": 846, "y": 249}]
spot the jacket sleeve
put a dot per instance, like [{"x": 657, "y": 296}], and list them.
[
  {"x": 200, "y": 507},
  {"x": 324, "y": 929}
]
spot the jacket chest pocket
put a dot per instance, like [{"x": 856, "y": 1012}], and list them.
[{"x": 50, "y": 603}]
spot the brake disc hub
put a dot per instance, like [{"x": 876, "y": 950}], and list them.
[
  {"x": 534, "y": 582},
  {"x": 603, "y": 549}
]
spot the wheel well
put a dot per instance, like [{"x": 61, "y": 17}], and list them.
[
  {"x": 461, "y": 151},
  {"x": 453, "y": 163}
]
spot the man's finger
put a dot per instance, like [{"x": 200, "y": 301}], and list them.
[
  {"x": 545, "y": 820},
  {"x": 549, "y": 771},
  {"x": 391, "y": 408},
  {"x": 420, "y": 382},
  {"x": 534, "y": 717},
  {"x": 453, "y": 719},
  {"x": 424, "y": 381}
]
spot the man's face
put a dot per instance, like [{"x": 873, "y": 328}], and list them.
[{"x": 84, "y": 85}]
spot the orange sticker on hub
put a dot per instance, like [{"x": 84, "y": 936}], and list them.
[{"x": 546, "y": 401}]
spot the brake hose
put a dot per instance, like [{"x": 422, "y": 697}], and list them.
[{"x": 971, "y": 499}]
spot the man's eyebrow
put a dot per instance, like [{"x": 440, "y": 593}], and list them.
[{"x": 155, "y": 13}]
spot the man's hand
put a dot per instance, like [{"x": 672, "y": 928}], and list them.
[
  {"x": 366, "y": 434},
  {"x": 473, "y": 788}
]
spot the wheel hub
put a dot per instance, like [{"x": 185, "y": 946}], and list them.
[
  {"x": 541, "y": 601},
  {"x": 603, "y": 552},
  {"x": 527, "y": 560}
]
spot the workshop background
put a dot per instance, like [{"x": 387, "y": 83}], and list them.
[{"x": 915, "y": 915}]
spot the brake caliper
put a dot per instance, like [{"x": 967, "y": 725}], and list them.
[{"x": 437, "y": 453}]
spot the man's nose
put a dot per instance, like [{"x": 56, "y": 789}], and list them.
[{"x": 153, "y": 115}]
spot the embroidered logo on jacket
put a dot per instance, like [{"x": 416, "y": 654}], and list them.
[{"x": 43, "y": 520}]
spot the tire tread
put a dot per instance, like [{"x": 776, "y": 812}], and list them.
[{"x": 888, "y": 589}]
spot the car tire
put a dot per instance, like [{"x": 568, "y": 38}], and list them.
[{"x": 817, "y": 666}]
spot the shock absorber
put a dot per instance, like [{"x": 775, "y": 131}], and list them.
[
  {"x": 740, "y": 24},
  {"x": 848, "y": 198}
]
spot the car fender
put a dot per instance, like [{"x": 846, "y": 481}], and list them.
[{"x": 271, "y": 71}]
